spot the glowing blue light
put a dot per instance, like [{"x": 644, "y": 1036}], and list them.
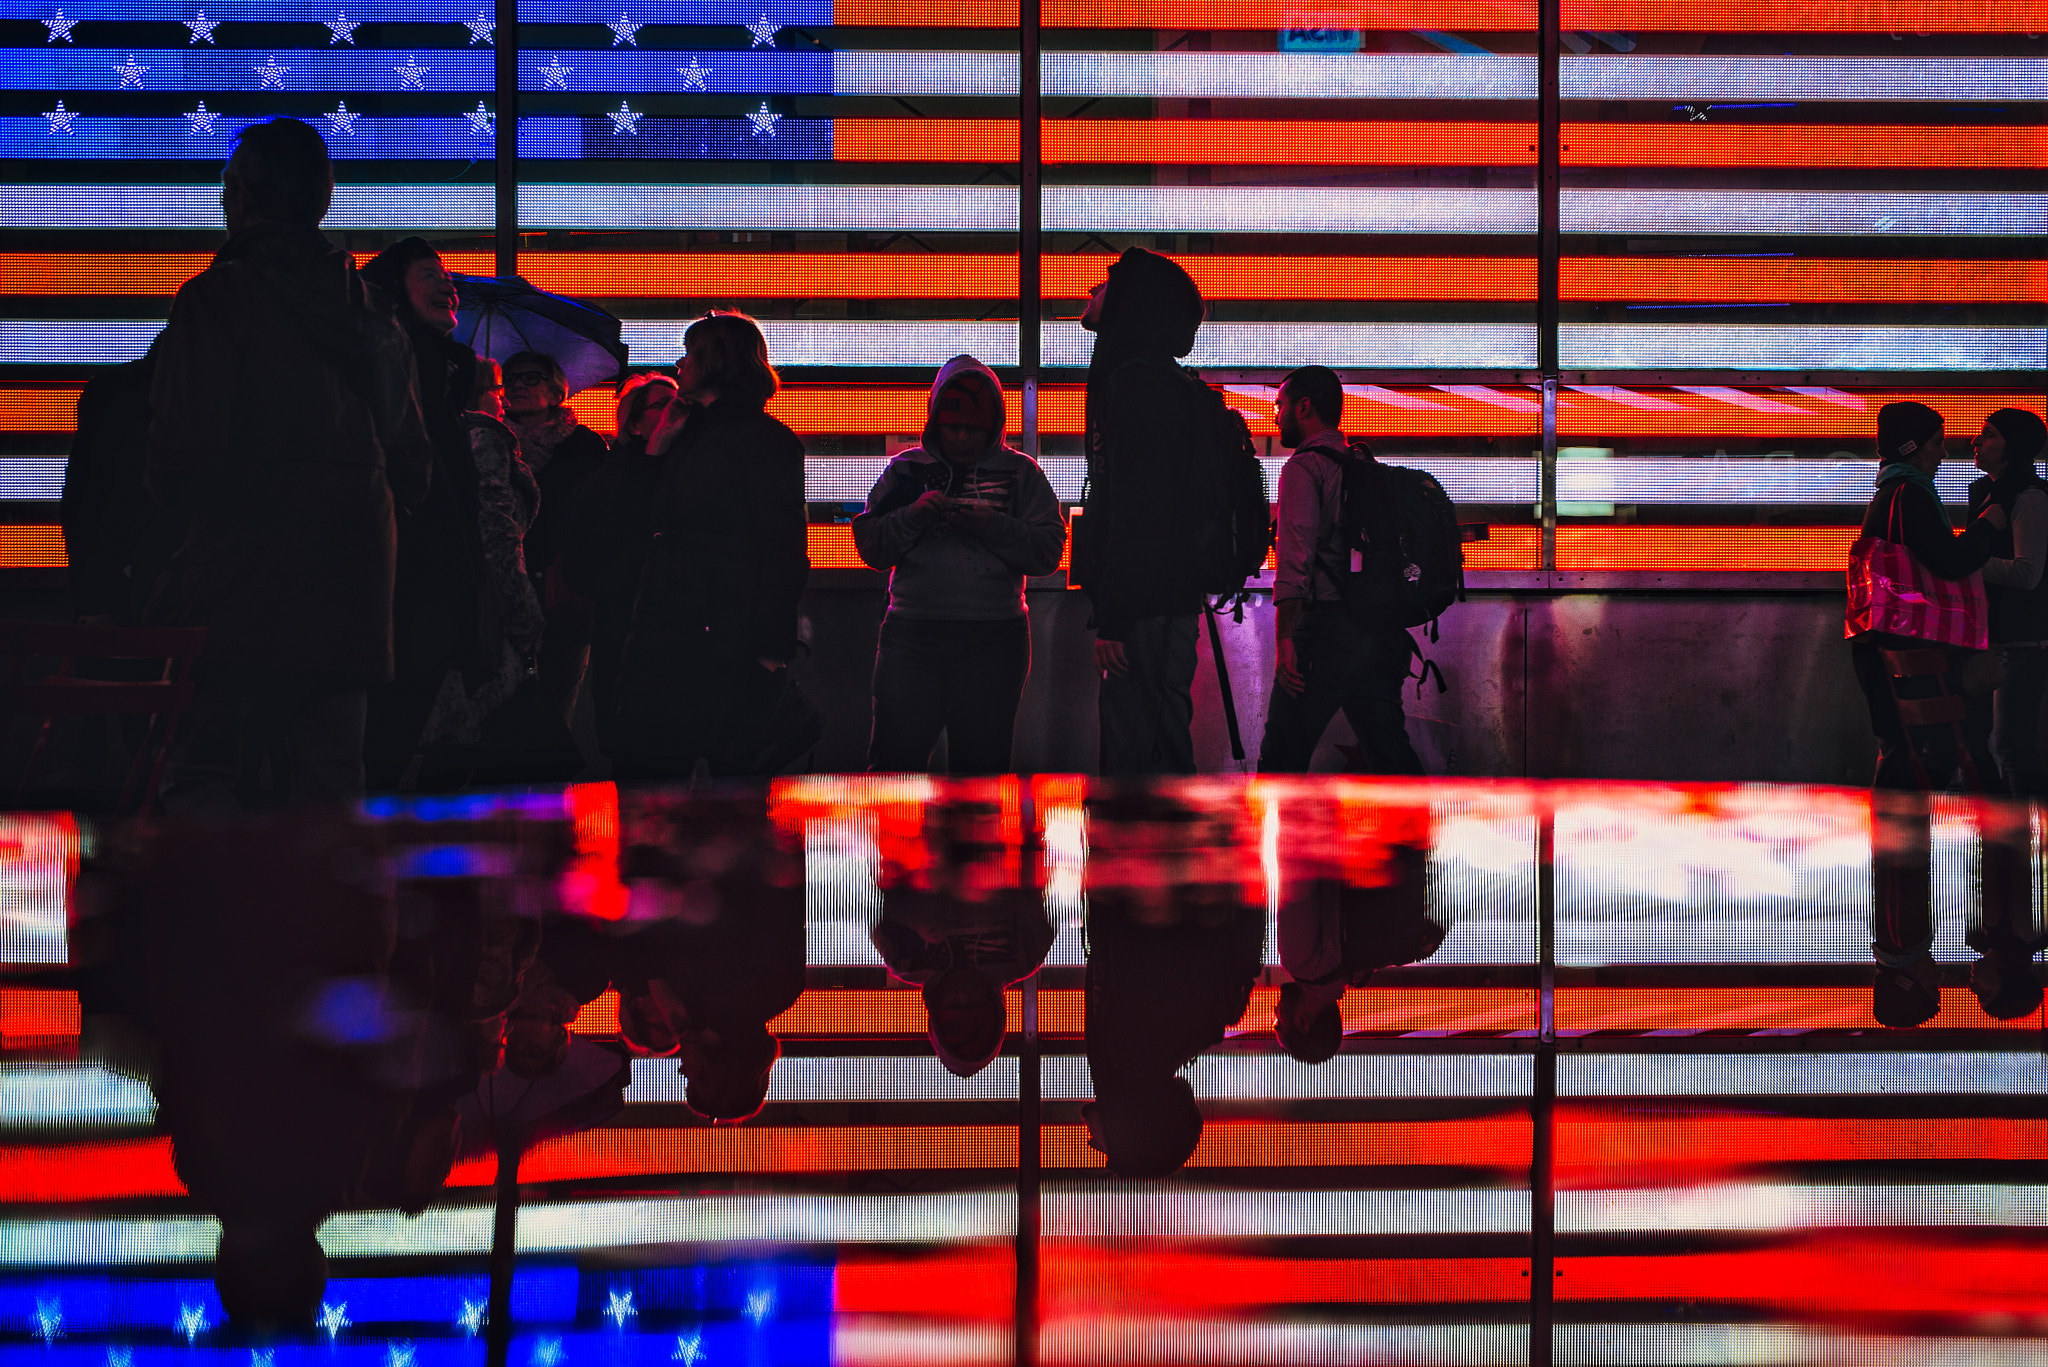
[
  {"x": 738, "y": 13},
  {"x": 722, "y": 72},
  {"x": 350, "y": 136},
  {"x": 210, "y": 70}
]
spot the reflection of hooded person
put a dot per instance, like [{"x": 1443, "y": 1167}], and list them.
[
  {"x": 1174, "y": 945},
  {"x": 1145, "y": 414},
  {"x": 967, "y": 932},
  {"x": 958, "y": 522}
]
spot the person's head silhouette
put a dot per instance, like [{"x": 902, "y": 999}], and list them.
[
  {"x": 1145, "y": 1129},
  {"x": 270, "y": 1271},
  {"x": 728, "y": 1074},
  {"x": 967, "y": 1019},
  {"x": 1309, "y": 1030}
]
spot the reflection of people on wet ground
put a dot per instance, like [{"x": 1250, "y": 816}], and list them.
[
  {"x": 1907, "y": 991},
  {"x": 1334, "y": 936},
  {"x": 1174, "y": 945},
  {"x": 962, "y": 928},
  {"x": 289, "y": 1064},
  {"x": 711, "y": 949}
]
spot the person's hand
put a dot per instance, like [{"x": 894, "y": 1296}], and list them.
[
  {"x": 933, "y": 506},
  {"x": 1996, "y": 516},
  {"x": 772, "y": 666},
  {"x": 1110, "y": 658},
  {"x": 674, "y": 419},
  {"x": 1287, "y": 669},
  {"x": 971, "y": 518}
]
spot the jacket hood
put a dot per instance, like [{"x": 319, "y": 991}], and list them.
[
  {"x": 950, "y": 372},
  {"x": 1152, "y": 305}
]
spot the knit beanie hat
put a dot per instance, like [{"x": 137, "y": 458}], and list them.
[
  {"x": 966, "y": 401},
  {"x": 1903, "y": 428},
  {"x": 2024, "y": 434}
]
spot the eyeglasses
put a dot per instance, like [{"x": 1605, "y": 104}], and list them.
[{"x": 525, "y": 380}]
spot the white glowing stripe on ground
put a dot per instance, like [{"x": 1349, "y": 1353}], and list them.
[
  {"x": 1759, "y": 213},
  {"x": 1780, "y": 347},
  {"x": 1731, "y": 480},
  {"x": 918, "y": 1341},
  {"x": 780, "y": 208},
  {"x": 396, "y": 207},
  {"x": 544, "y": 1227},
  {"x": 35, "y": 885},
  {"x": 1185, "y": 1342},
  {"x": 1172, "y": 1211},
  {"x": 1288, "y": 75},
  {"x": 1949, "y": 80},
  {"x": 36, "y": 1095},
  {"x": 1065, "y": 1077},
  {"x": 1974, "y": 1074},
  {"x": 1284, "y": 209},
  {"x": 1775, "y": 1345},
  {"x": 1766, "y": 1208}
]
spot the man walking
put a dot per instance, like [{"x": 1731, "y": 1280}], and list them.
[
  {"x": 1327, "y": 658},
  {"x": 1146, "y": 421},
  {"x": 286, "y": 420}
]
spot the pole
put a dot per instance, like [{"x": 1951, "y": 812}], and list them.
[
  {"x": 1028, "y": 1139},
  {"x": 505, "y": 39},
  {"x": 1029, "y": 284},
  {"x": 1543, "y": 1103}
]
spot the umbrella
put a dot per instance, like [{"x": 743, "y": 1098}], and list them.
[{"x": 500, "y": 316}]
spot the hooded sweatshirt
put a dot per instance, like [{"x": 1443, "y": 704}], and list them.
[{"x": 935, "y": 572}]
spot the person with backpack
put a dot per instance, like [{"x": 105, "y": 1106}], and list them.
[
  {"x": 1148, "y": 423},
  {"x": 1330, "y": 653}
]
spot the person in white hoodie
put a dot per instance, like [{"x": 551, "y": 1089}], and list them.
[{"x": 959, "y": 523}]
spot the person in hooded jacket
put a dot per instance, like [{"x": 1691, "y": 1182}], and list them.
[
  {"x": 2006, "y": 451},
  {"x": 285, "y": 417},
  {"x": 444, "y": 615},
  {"x": 1144, "y": 418},
  {"x": 1907, "y": 510},
  {"x": 958, "y": 522}
]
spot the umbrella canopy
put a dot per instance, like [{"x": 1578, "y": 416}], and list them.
[{"x": 501, "y": 316}]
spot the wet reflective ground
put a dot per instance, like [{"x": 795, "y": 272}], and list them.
[{"x": 877, "y": 1070}]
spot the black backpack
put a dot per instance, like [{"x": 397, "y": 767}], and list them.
[
  {"x": 1405, "y": 554},
  {"x": 1230, "y": 527}
]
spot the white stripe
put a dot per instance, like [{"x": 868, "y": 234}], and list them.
[
  {"x": 1686, "y": 480},
  {"x": 1766, "y": 1208},
  {"x": 1065, "y": 1077},
  {"x": 1773, "y": 1345},
  {"x": 41, "y": 1096},
  {"x": 924, "y": 73},
  {"x": 1782, "y": 347},
  {"x": 544, "y": 1227},
  {"x": 1479, "y": 346},
  {"x": 1756, "y": 213},
  {"x": 1950, "y": 80},
  {"x": 1289, "y": 76},
  {"x": 1290, "y": 1342},
  {"x": 1110, "y": 1210},
  {"x": 1971, "y": 1074},
  {"x": 1284, "y": 209},
  {"x": 31, "y": 479},
  {"x": 417, "y": 207},
  {"x": 779, "y": 208}
]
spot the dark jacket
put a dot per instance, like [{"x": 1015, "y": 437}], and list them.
[
  {"x": 445, "y": 613},
  {"x": 1905, "y": 513},
  {"x": 2017, "y": 614},
  {"x": 604, "y": 542},
  {"x": 563, "y": 454},
  {"x": 1136, "y": 519},
  {"x": 116, "y": 541},
  {"x": 285, "y": 415},
  {"x": 937, "y": 573},
  {"x": 733, "y": 557}
]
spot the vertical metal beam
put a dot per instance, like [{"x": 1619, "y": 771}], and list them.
[
  {"x": 1029, "y": 157},
  {"x": 505, "y": 42},
  {"x": 1028, "y": 1140},
  {"x": 1543, "y": 1101},
  {"x": 504, "y": 1244},
  {"x": 1548, "y": 153}
]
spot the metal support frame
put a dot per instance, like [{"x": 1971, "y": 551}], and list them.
[
  {"x": 1029, "y": 248},
  {"x": 505, "y": 41},
  {"x": 1028, "y": 1159},
  {"x": 1543, "y": 1104}
]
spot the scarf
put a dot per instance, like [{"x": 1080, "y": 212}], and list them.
[{"x": 1913, "y": 474}]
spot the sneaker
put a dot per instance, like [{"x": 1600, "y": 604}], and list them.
[{"x": 2006, "y": 986}]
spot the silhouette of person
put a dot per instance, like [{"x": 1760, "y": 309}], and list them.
[
  {"x": 962, "y": 927},
  {"x": 1176, "y": 935}
]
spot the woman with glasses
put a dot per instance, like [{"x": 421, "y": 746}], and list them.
[
  {"x": 704, "y": 669},
  {"x": 562, "y": 453}
]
